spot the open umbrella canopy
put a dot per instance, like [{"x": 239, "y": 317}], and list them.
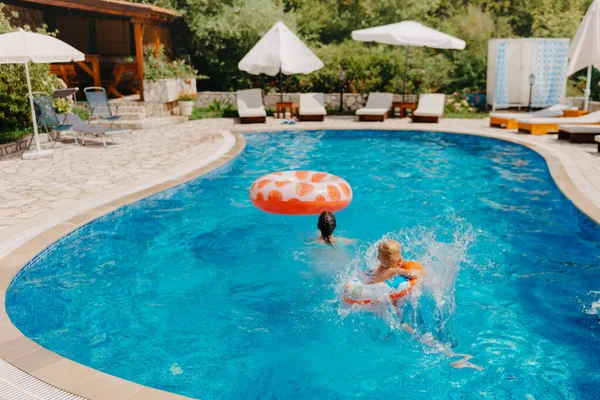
[
  {"x": 20, "y": 47},
  {"x": 409, "y": 33},
  {"x": 585, "y": 47},
  {"x": 584, "y": 51},
  {"x": 280, "y": 50}
]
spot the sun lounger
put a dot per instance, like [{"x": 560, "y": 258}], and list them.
[
  {"x": 47, "y": 118},
  {"x": 250, "y": 106},
  {"x": 99, "y": 107},
  {"x": 377, "y": 108},
  {"x": 430, "y": 108},
  {"x": 82, "y": 128},
  {"x": 312, "y": 107},
  {"x": 541, "y": 126},
  {"x": 578, "y": 133},
  {"x": 509, "y": 119}
]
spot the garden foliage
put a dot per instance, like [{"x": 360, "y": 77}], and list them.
[
  {"x": 15, "y": 111},
  {"x": 217, "y": 34}
]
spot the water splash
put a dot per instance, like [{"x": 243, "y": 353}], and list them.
[
  {"x": 594, "y": 307},
  {"x": 428, "y": 312}
]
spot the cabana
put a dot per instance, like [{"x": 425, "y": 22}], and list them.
[{"x": 111, "y": 33}]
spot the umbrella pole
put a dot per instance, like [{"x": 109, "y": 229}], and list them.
[
  {"x": 33, "y": 117},
  {"x": 281, "y": 85},
  {"x": 405, "y": 74},
  {"x": 588, "y": 85}
]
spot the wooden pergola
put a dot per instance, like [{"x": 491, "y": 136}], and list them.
[{"x": 141, "y": 17}]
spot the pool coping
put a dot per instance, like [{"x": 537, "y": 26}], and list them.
[{"x": 49, "y": 367}]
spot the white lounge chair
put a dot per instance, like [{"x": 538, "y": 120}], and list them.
[
  {"x": 377, "y": 108},
  {"x": 430, "y": 108},
  {"x": 312, "y": 107},
  {"x": 541, "y": 126},
  {"x": 250, "y": 106},
  {"x": 509, "y": 119},
  {"x": 578, "y": 133}
]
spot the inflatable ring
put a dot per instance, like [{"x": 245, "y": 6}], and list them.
[
  {"x": 300, "y": 193},
  {"x": 360, "y": 292}
]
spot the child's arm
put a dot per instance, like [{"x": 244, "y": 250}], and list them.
[{"x": 412, "y": 273}]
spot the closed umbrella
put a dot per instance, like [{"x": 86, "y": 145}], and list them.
[
  {"x": 584, "y": 50},
  {"x": 22, "y": 47},
  {"x": 408, "y": 33},
  {"x": 280, "y": 51}
]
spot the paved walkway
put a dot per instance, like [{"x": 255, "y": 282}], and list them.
[{"x": 29, "y": 188}]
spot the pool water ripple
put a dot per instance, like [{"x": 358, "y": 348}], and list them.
[{"x": 195, "y": 291}]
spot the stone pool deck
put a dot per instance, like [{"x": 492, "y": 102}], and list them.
[{"x": 42, "y": 200}]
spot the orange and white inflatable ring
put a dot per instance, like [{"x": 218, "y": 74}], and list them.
[
  {"x": 300, "y": 193},
  {"x": 359, "y": 291}
]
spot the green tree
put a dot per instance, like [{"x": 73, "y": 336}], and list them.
[
  {"x": 221, "y": 33},
  {"x": 476, "y": 27},
  {"x": 558, "y": 18}
]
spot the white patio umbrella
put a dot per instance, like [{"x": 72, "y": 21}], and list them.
[
  {"x": 408, "y": 33},
  {"x": 22, "y": 47},
  {"x": 280, "y": 51},
  {"x": 584, "y": 50}
]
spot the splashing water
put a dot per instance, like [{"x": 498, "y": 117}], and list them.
[
  {"x": 428, "y": 312},
  {"x": 594, "y": 308}
]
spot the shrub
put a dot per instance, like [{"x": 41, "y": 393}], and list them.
[
  {"x": 157, "y": 66},
  {"x": 186, "y": 96},
  {"x": 458, "y": 103},
  {"x": 15, "y": 111},
  {"x": 217, "y": 109}
]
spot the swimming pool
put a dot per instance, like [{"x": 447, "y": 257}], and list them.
[{"x": 197, "y": 292}]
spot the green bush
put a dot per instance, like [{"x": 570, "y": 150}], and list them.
[
  {"x": 216, "y": 109},
  {"x": 15, "y": 111},
  {"x": 157, "y": 66}
]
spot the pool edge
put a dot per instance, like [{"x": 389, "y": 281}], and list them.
[
  {"x": 51, "y": 368},
  {"x": 48, "y": 367}
]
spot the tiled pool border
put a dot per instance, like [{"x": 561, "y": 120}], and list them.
[{"x": 78, "y": 379}]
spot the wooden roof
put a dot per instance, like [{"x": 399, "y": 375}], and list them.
[{"x": 114, "y": 7}]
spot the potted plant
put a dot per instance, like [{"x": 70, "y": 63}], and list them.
[{"x": 186, "y": 103}]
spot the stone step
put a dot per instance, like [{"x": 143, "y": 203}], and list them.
[
  {"x": 128, "y": 108},
  {"x": 132, "y": 114},
  {"x": 147, "y": 123},
  {"x": 126, "y": 103}
]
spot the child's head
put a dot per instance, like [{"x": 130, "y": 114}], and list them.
[
  {"x": 390, "y": 253},
  {"x": 326, "y": 225}
]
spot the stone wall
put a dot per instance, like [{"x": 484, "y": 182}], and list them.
[
  {"x": 167, "y": 90},
  {"x": 580, "y": 101},
  {"x": 352, "y": 101},
  {"x": 17, "y": 146}
]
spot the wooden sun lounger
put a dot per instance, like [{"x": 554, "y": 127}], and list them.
[
  {"x": 537, "y": 129},
  {"x": 579, "y": 134},
  {"x": 508, "y": 123}
]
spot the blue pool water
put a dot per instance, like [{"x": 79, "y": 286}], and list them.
[{"x": 197, "y": 292}]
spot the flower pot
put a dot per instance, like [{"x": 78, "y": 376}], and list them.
[{"x": 186, "y": 107}]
